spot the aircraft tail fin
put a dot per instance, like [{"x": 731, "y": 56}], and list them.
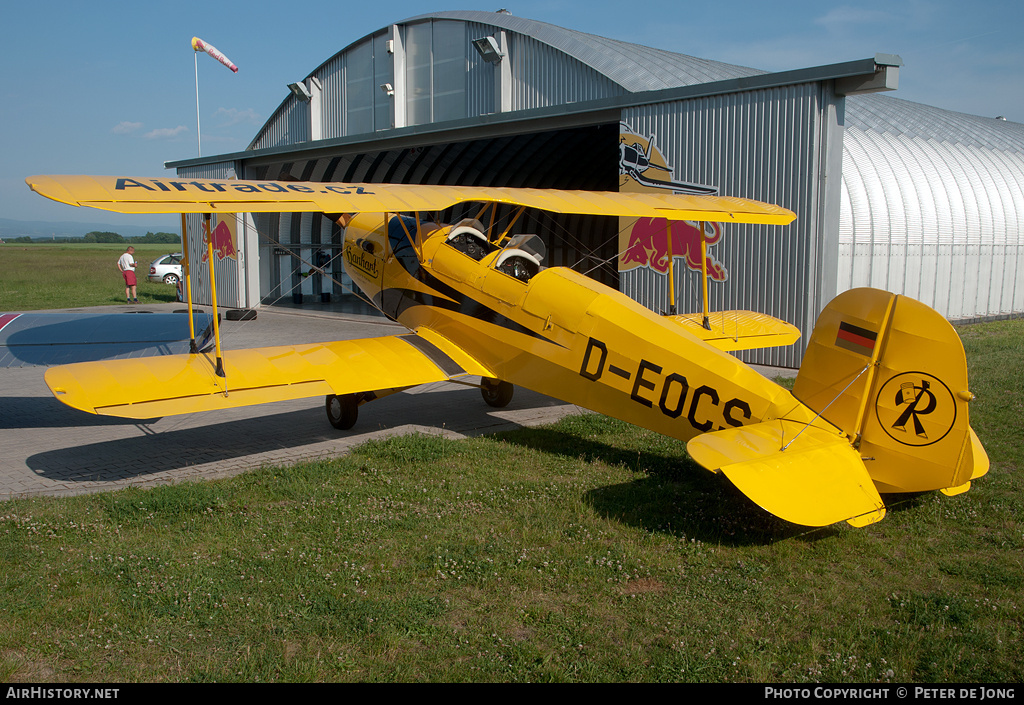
[{"x": 892, "y": 374}]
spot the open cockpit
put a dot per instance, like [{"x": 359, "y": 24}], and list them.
[{"x": 519, "y": 257}]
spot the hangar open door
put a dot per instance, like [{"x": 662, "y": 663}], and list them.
[{"x": 584, "y": 158}]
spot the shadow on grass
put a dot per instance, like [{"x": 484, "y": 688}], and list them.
[{"x": 671, "y": 493}]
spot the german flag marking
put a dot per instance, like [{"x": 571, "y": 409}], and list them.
[{"x": 856, "y": 339}]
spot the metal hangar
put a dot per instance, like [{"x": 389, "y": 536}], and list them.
[{"x": 887, "y": 193}]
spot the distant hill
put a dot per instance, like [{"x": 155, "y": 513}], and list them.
[{"x": 45, "y": 229}]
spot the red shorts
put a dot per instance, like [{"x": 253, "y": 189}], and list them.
[{"x": 129, "y": 277}]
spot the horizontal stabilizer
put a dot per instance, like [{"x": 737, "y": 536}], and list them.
[
  {"x": 145, "y": 388},
  {"x": 739, "y": 330},
  {"x": 817, "y": 480}
]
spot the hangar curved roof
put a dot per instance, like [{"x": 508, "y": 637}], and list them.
[
  {"x": 917, "y": 174},
  {"x": 554, "y": 66},
  {"x": 633, "y": 66}
]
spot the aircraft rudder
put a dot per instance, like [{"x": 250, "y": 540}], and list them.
[{"x": 891, "y": 373}]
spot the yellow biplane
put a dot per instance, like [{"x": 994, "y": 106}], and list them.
[{"x": 879, "y": 405}]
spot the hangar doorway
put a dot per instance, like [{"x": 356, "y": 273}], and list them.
[{"x": 582, "y": 158}]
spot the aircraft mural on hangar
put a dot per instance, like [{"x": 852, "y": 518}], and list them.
[{"x": 643, "y": 242}]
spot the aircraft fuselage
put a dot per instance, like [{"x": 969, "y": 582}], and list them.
[{"x": 561, "y": 333}]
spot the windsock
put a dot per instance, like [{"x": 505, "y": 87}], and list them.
[{"x": 199, "y": 45}]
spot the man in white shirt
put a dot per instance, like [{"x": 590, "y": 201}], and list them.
[{"x": 127, "y": 266}]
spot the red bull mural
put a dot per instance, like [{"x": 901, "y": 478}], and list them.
[
  {"x": 649, "y": 246},
  {"x": 223, "y": 238},
  {"x": 644, "y": 242}
]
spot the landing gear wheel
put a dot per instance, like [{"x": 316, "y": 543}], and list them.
[
  {"x": 342, "y": 411},
  {"x": 496, "y": 392}
]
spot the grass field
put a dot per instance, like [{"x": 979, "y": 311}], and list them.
[
  {"x": 586, "y": 551},
  {"x": 44, "y": 276}
]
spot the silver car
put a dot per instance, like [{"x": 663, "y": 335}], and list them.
[{"x": 166, "y": 269}]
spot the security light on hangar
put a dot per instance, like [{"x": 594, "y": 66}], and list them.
[{"x": 930, "y": 203}]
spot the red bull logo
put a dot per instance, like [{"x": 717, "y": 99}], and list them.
[
  {"x": 223, "y": 239},
  {"x": 649, "y": 246}
]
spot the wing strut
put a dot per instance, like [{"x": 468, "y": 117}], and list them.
[
  {"x": 671, "y": 270},
  {"x": 187, "y": 291},
  {"x": 704, "y": 273},
  {"x": 213, "y": 293}
]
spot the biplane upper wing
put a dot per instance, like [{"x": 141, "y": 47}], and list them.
[
  {"x": 175, "y": 384},
  {"x": 157, "y": 195},
  {"x": 150, "y": 387}
]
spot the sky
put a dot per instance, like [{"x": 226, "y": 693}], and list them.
[{"x": 109, "y": 87}]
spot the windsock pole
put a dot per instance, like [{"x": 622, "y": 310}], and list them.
[
  {"x": 199, "y": 45},
  {"x": 199, "y": 132}
]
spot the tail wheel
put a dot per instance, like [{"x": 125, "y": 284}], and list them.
[
  {"x": 496, "y": 392},
  {"x": 342, "y": 411}
]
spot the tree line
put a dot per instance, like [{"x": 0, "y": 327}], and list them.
[{"x": 107, "y": 237}]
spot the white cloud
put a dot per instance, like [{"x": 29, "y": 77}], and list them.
[
  {"x": 126, "y": 128},
  {"x": 841, "y": 18},
  {"x": 165, "y": 133},
  {"x": 234, "y": 116}
]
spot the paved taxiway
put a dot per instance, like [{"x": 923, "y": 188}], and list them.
[{"x": 47, "y": 448}]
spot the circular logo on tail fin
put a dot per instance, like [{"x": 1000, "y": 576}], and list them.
[{"x": 915, "y": 408}]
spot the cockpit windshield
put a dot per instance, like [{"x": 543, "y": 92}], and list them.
[
  {"x": 531, "y": 244},
  {"x": 521, "y": 257}
]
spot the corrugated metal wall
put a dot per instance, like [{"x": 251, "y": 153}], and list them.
[
  {"x": 543, "y": 76},
  {"x": 763, "y": 145},
  {"x": 332, "y": 78},
  {"x": 480, "y": 76},
  {"x": 289, "y": 125}
]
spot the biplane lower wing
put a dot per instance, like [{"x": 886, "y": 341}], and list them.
[
  {"x": 151, "y": 387},
  {"x": 739, "y": 330}
]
